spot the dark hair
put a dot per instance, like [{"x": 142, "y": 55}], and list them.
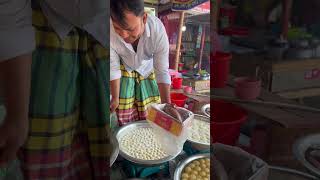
[{"x": 118, "y": 8}]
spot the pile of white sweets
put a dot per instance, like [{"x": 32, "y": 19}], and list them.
[
  {"x": 141, "y": 143},
  {"x": 200, "y": 131}
]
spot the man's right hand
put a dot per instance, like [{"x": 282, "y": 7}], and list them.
[
  {"x": 114, "y": 105},
  {"x": 13, "y": 134}
]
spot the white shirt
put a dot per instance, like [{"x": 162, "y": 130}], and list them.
[
  {"x": 17, "y": 35},
  {"x": 152, "y": 52},
  {"x": 16, "y": 31}
]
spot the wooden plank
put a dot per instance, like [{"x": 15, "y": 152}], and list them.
[
  {"x": 293, "y": 80},
  {"x": 300, "y": 93},
  {"x": 287, "y": 118},
  {"x": 296, "y": 65},
  {"x": 181, "y": 23}
]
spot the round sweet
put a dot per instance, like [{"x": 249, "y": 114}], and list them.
[
  {"x": 196, "y": 169},
  {"x": 200, "y": 131},
  {"x": 142, "y": 144}
]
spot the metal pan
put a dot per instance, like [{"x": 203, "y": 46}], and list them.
[
  {"x": 130, "y": 127},
  {"x": 199, "y": 145},
  {"x": 115, "y": 149},
  {"x": 183, "y": 164}
]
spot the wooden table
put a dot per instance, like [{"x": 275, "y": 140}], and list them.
[
  {"x": 288, "y": 118},
  {"x": 283, "y": 127}
]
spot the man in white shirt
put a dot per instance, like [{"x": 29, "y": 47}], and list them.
[
  {"x": 139, "y": 56},
  {"x": 50, "y": 107}
]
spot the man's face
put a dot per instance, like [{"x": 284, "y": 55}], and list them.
[{"x": 133, "y": 30}]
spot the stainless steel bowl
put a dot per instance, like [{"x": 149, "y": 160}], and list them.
[
  {"x": 183, "y": 164},
  {"x": 199, "y": 145},
  {"x": 115, "y": 149},
  {"x": 130, "y": 127},
  {"x": 301, "y": 146}
]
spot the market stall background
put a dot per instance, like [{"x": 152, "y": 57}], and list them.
[{"x": 272, "y": 48}]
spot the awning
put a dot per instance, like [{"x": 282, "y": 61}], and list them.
[{"x": 196, "y": 6}]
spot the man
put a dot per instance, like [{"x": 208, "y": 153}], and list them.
[
  {"x": 139, "y": 55},
  {"x": 62, "y": 128}
]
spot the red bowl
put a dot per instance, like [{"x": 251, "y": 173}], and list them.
[
  {"x": 247, "y": 88},
  {"x": 178, "y": 98}
]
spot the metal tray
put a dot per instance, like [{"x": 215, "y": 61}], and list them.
[
  {"x": 183, "y": 164},
  {"x": 115, "y": 149},
  {"x": 129, "y": 127},
  {"x": 199, "y": 145}
]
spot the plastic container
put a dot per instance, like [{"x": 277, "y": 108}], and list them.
[
  {"x": 187, "y": 89},
  {"x": 179, "y": 99},
  {"x": 235, "y": 31},
  {"x": 220, "y": 69},
  {"x": 247, "y": 88},
  {"x": 226, "y": 122},
  {"x": 177, "y": 83}
]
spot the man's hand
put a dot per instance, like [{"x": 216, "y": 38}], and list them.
[
  {"x": 164, "y": 90},
  {"x": 13, "y": 134},
  {"x": 114, "y": 105},
  {"x": 115, "y": 91},
  {"x": 15, "y": 77}
]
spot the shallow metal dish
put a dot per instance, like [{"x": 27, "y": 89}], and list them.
[
  {"x": 183, "y": 164},
  {"x": 199, "y": 145},
  {"x": 115, "y": 149},
  {"x": 204, "y": 109},
  {"x": 301, "y": 146},
  {"x": 129, "y": 127}
]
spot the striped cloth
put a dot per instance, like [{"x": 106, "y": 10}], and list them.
[
  {"x": 68, "y": 138},
  {"x": 136, "y": 93}
]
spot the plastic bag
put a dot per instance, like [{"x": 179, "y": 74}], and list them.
[
  {"x": 171, "y": 134},
  {"x": 11, "y": 172}
]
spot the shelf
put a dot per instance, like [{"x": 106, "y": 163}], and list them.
[{"x": 194, "y": 41}]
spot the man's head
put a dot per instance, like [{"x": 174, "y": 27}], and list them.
[{"x": 128, "y": 18}]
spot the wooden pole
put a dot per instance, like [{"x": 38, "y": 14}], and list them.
[
  {"x": 215, "y": 15},
  {"x": 214, "y": 22},
  {"x": 286, "y": 12},
  {"x": 177, "y": 59},
  {"x": 203, "y": 35}
]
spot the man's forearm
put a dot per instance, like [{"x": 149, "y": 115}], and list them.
[
  {"x": 115, "y": 88},
  {"x": 164, "y": 90},
  {"x": 16, "y": 79}
]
